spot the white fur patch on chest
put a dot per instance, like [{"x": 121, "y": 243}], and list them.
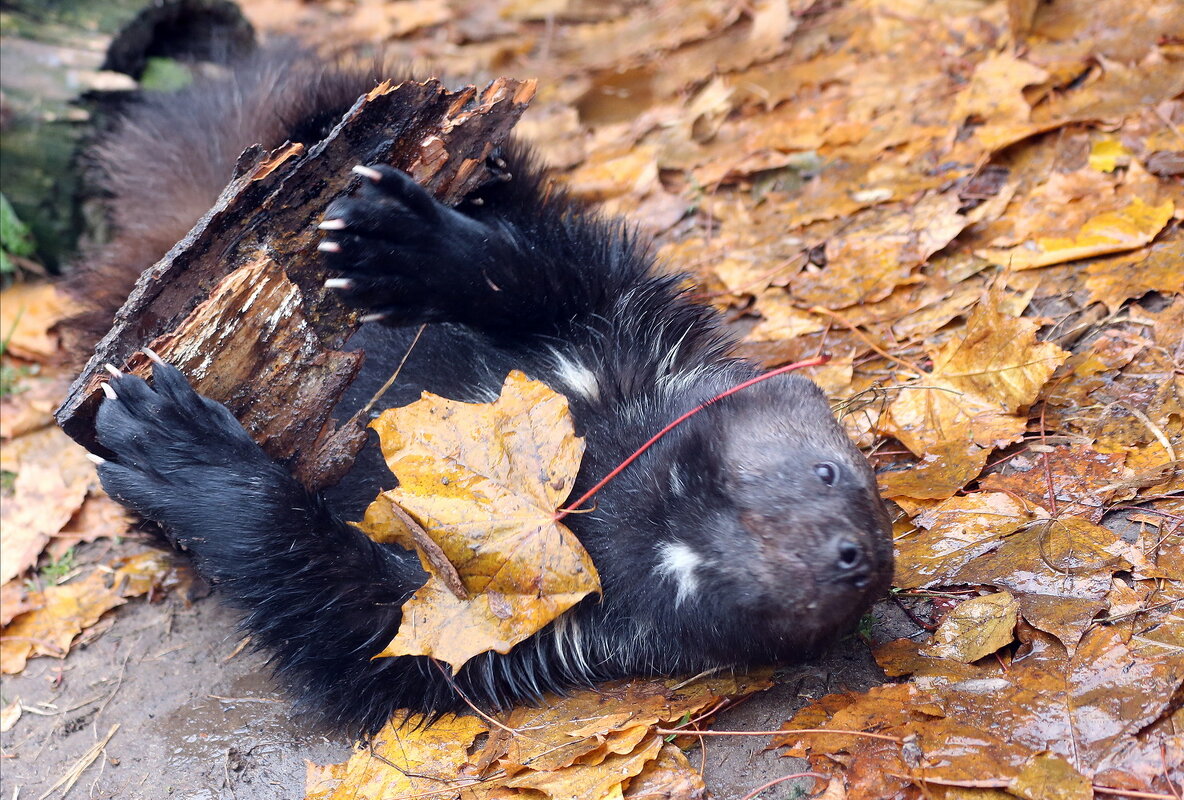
[
  {"x": 577, "y": 377},
  {"x": 678, "y": 562}
]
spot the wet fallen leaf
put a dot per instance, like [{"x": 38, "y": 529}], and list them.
[
  {"x": 954, "y": 533},
  {"x": 581, "y": 727},
  {"x": 31, "y": 400},
  {"x": 53, "y": 477},
  {"x": 1059, "y": 571},
  {"x": 15, "y": 599},
  {"x": 979, "y": 384},
  {"x": 402, "y": 762},
  {"x": 65, "y": 611},
  {"x": 591, "y": 744},
  {"x": 669, "y": 776},
  {"x": 995, "y": 92},
  {"x": 976, "y": 628},
  {"x": 1048, "y": 714},
  {"x": 941, "y": 473},
  {"x": 1113, "y": 281},
  {"x": 1047, "y": 776},
  {"x": 607, "y": 780},
  {"x": 59, "y": 614},
  {"x": 98, "y": 517},
  {"x": 1112, "y": 232},
  {"x": 880, "y": 250},
  {"x": 490, "y": 504},
  {"x": 1128, "y": 397},
  {"x": 1075, "y": 481},
  {"x": 28, "y": 313}
]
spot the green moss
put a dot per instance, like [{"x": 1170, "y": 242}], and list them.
[
  {"x": 54, "y": 571},
  {"x": 15, "y": 237},
  {"x": 165, "y": 75}
]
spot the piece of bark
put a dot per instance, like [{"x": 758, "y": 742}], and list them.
[
  {"x": 281, "y": 355},
  {"x": 230, "y": 354}
]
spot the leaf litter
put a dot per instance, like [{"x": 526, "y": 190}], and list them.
[
  {"x": 975, "y": 209},
  {"x": 52, "y": 500}
]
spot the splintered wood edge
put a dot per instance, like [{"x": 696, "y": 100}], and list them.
[{"x": 441, "y": 137}]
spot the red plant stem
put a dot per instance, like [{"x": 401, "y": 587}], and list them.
[
  {"x": 751, "y": 795},
  {"x": 784, "y": 732},
  {"x": 810, "y": 362}
]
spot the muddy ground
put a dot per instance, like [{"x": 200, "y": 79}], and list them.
[{"x": 200, "y": 719}]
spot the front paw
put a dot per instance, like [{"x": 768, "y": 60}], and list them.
[
  {"x": 171, "y": 453},
  {"x": 401, "y": 254}
]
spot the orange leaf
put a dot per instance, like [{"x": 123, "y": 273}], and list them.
[
  {"x": 427, "y": 759},
  {"x": 588, "y": 744},
  {"x": 28, "y": 313},
  {"x": 53, "y": 477},
  {"x": 64, "y": 613},
  {"x": 979, "y": 383}
]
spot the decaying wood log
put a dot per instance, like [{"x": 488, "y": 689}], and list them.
[{"x": 239, "y": 303}]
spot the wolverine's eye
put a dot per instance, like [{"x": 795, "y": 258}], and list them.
[{"x": 827, "y": 472}]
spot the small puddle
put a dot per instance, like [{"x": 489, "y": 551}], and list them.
[{"x": 246, "y": 730}]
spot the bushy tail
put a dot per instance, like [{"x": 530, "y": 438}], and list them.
[{"x": 170, "y": 155}]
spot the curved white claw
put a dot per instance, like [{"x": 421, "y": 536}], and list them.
[{"x": 367, "y": 172}]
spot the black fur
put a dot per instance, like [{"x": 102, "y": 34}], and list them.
[{"x": 760, "y": 503}]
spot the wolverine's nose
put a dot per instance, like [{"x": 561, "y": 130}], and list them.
[{"x": 851, "y": 561}]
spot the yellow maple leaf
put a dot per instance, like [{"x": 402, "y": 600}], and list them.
[
  {"x": 1111, "y": 232},
  {"x": 427, "y": 759},
  {"x": 484, "y": 480},
  {"x": 970, "y": 403},
  {"x": 64, "y": 612},
  {"x": 976, "y": 628},
  {"x": 1108, "y": 155}
]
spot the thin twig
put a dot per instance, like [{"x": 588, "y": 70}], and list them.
[
  {"x": 391, "y": 380},
  {"x": 76, "y": 771},
  {"x": 867, "y": 340},
  {"x": 470, "y": 704}
]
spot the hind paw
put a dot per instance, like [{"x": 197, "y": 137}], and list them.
[{"x": 171, "y": 452}]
